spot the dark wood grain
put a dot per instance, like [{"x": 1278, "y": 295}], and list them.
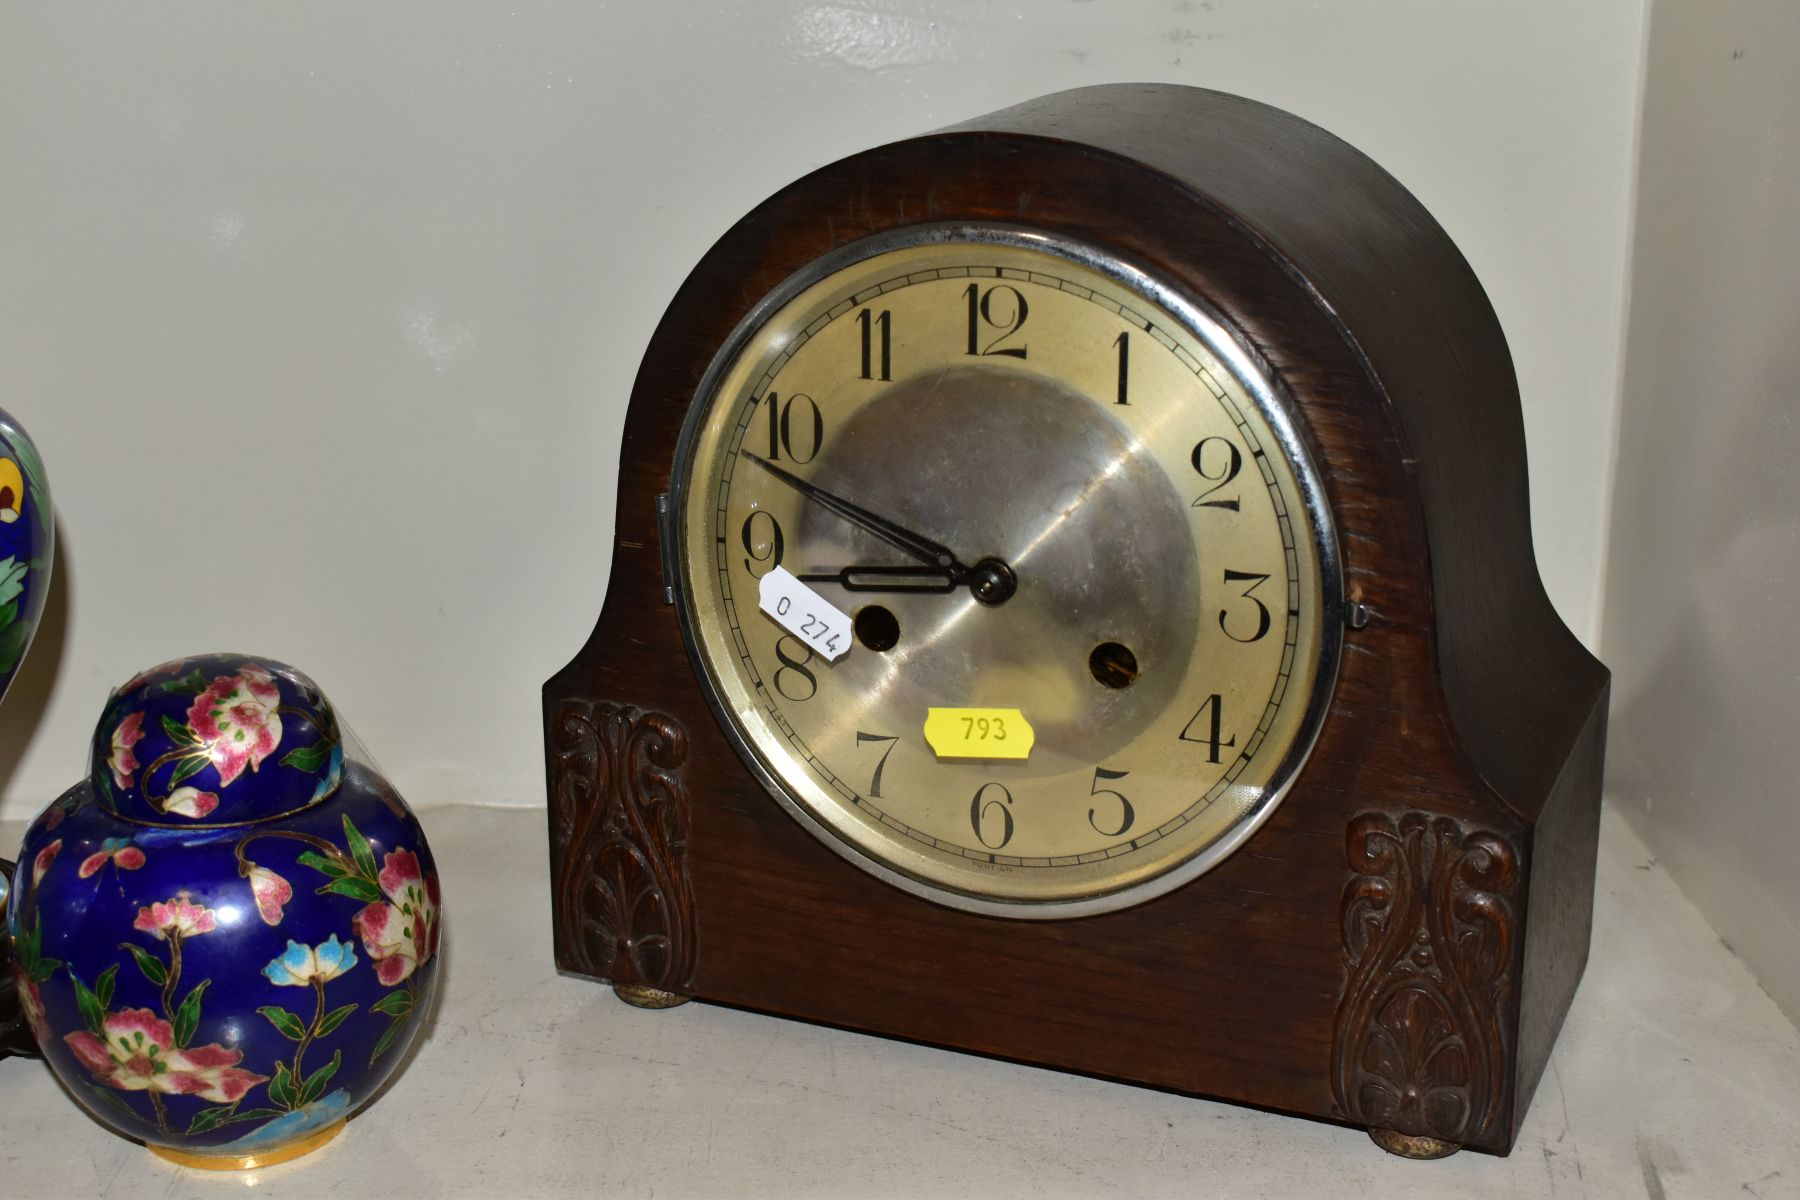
[
  {"x": 1464, "y": 698},
  {"x": 15, "y": 1037}
]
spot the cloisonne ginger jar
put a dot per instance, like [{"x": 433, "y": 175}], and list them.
[{"x": 225, "y": 938}]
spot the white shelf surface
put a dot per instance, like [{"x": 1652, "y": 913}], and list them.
[{"x": 1675, "y": 1076}]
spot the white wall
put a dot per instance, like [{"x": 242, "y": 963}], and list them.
[
  {"x": 324, "y": 314},
  {"x": 1705, "y": 564}
]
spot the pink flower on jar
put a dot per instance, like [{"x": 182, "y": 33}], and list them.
[
  {"x": 190, "y": 802},
  {"x": 123, "y": 760},
  {"x": 41, "y": 864},
  {"x": 401, "y": 935},
  {"x": 118, "y": 851},
  {"x": 235, "y": 718},
  {"x": 177, "y": 918},
  {"x": 272, "y": 893},
  {"x": 31, "y": 1003},
  {"x": 138, "y": 1053}
]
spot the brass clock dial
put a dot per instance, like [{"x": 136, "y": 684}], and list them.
[{"x": 1063, "y": 511}]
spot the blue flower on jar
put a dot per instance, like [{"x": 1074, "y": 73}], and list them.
[{"x": 302, "y": 966}]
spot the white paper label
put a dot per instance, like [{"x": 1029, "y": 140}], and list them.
[{"x": 804, "y": 613}]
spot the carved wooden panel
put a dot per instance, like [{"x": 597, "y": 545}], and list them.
[
  {"x": 1421, "y": 1044},
  {"x": 618, "y": 826}
]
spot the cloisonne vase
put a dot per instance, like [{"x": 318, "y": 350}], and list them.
[
  {"x": 27, "y": 542},
  {"x": 225, "y": 938},
  {"x": 27, "y": 539}
]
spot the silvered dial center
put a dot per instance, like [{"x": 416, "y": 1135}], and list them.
[{"x": 1076, "y": 535}]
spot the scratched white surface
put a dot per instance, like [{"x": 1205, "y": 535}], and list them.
[{"x": 1674, "y": 1077}]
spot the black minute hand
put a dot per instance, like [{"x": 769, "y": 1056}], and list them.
[{"x": 921, "y": 548}]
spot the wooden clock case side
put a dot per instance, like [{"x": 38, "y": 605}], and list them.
[{"x": 1395, "y": 949}]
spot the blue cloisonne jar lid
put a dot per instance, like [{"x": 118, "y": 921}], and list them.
[{"x": 221, "y": 739}]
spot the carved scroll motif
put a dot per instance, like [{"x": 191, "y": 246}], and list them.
[
  {"x": 624, "y": 905},
  {"x": 1421, "y": 1042}
]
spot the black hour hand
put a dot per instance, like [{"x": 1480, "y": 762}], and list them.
[{"x": 927, "y": 580}]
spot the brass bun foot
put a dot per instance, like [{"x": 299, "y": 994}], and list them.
[
  {"x": 1408, "y": 1145},
  {"x": 247, "y": 1162},
  {"x": 640, "y": 995}
]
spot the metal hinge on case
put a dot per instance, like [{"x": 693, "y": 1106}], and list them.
[{"x": 665, "y": 539}]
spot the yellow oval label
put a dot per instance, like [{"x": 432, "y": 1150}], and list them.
[{"x": 978, "y": 733}]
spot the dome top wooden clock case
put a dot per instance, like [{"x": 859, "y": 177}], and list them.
[{"x": 1073, "y": 601}]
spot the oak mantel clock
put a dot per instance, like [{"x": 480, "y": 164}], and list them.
[{"x": 1073, "y": 600}]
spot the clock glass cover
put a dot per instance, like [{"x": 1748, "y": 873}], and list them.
[{"x": 1088, "y": 595}]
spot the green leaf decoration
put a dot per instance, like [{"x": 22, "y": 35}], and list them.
[
  {"x": 149, "y": 964},
  {"x": 106, "y": 789},
  {"x": 187, "y": 1017},
  {"x": 318, "y": 862},
  {"x": 208, "y": 1119},
  {"x": 178, "y": 733},
  {"x": 191, "y": 684},
  {"x": 394, "y": 1004},
  {"x": 387, "y": 1041},
  {"x": 308, "y": 758},
  {"x": 113, "y": 1099},
  {"x": 289, "y": 1025},
  {"x": 29, "y": 950},
  {"x": 281, "y": 1088},
  {"x": 255, "y": 1114},
  {"x": 103, "y": 986},
  {"x": 93, "y": 1013},
  {"x": 359, "y": 850},
  {"x": 315, "y": 1087},
  {"x": 334, "y": 1018},
  {"x": 351, "y": 885},
  {"x": 12, "y": 578},
  {"x": 187, "y": 768}
]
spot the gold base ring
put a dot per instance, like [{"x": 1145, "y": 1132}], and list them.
[{"x": 247, "y": 1162}]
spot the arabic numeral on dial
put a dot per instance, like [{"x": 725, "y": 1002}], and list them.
[
  {"x": 987, "y": 815},
  {"x": 1001, "y": 308},
  {"x": 1227, "y": 461},
  {"x": 1211, "y": 718},
  {"x": 1102, "y": 775},
  {"x": 880, "y": 763},
  {"x": 784, "y": 422},
  {"x": 795, "y": 670},
  {"x": 871, "y": 326},
  {"x": 1263, "y": 620},
  {"x": 763, "y": 545}
]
